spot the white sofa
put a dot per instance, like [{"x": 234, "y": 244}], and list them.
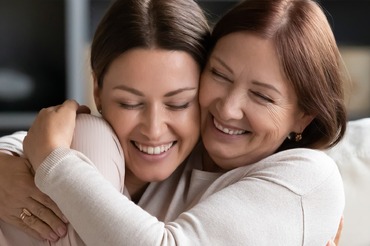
[{"x": 352, "y": 156}]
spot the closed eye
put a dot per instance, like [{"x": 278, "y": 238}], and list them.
[
  {"x": 263, "y": 97},
  {"x": 219, "y": 75},
  {"x": 178, "y": 107},
  {"x": 130, "y": 106}
]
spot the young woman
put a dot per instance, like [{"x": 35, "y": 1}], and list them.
[{"x": 146, "y": 60}]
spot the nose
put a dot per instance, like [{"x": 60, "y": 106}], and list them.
[
  {"x": 154, "y": 123},
  {"x": 230, "y": 106}
]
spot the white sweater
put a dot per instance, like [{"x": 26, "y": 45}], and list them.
[{"x": 294, "y": 197}]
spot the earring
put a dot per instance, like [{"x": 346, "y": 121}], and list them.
[
  {"x": 298, "y": 137},
  {"x": 100, "y": 111}
]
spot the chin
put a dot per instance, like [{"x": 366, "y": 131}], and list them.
[{"x": 155, "y": 177}]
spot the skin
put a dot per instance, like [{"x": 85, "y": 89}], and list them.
[
  {"x": 20, "y": 174},
  {"x": 155, "y": 113},
  {"x": 252, "y": 107}
]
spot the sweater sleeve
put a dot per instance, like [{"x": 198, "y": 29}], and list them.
[
  {"x": 13, "y": 142},
  {"x": 273, "y": 202},
  {"x": 97, "y": 211}
]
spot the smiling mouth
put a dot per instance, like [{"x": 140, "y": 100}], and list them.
[
  {"x": 228, "y": 130},
  {"x": 153, "y": 150}
]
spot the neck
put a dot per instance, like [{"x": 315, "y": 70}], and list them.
[
  {"x": 134, "y": 186},
  {"x": 208, "y": 164}
]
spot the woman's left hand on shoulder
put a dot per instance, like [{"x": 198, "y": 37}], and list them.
[{"x": 53, "y": 128}]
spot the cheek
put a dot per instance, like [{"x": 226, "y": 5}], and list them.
[
  {"x": 190, "y": 121},
  {"x": 273, "y": 121},
  {"x": 206, "y": 92},
  {"x": 121, "y": 124}
]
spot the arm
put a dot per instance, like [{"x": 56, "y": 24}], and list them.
[
  {"x": 255, "y": 206},
  {"x": 18, "y": 190},
  {"x": 13, "y": 143},
  {"x": 264, "y": 208}
]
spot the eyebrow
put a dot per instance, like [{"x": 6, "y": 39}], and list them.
[
  {"x": 223, "y": 63},
  {"x": 268, "y": 86},
  {"x": 175, "y": 92},
  {"x": 129, "y": 89},
  {"x": 138, "y": 93}
]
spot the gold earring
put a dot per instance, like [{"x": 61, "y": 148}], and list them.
[{"x": 298, "y": 137}]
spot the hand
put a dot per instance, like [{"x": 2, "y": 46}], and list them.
[
  {"x": 52, "y": 128},
  {"x": 18, "y": 191},
  {"x": 335, "y": 242}
]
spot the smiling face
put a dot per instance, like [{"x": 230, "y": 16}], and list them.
[
  {"x": 251, "y": 108},
  {"x": 150, "y": 98}
]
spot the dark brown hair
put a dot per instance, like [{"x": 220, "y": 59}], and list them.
[
  {"x": 309, "y": 58},
  {"x": 163, "y": 24}
]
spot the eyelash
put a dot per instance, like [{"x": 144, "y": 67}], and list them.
[
  {"x": 178, "y": 107},
  {"x": 130, "y": 106},
  {"x": 267, "y": 99},
  {"x": 218, "y": 74},
  {"x": 172, "y": 107}
]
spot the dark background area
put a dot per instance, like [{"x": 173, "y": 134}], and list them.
[{"x": 33, "y": 43}]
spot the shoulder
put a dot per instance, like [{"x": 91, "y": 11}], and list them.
[
  {"x": 92, "y": 130},
  {"x": 86, "y": 124},
  {"x": 89, "y": 120},
  {"x": 303, "y": 158},
  {"x": 299, "y": 170}
]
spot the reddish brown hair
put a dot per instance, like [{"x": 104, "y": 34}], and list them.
[{"x": 309, "y": 58}]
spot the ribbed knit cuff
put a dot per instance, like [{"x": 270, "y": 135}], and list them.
[{"x": 56, "y": 157}]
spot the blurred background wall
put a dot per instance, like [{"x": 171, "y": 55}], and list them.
[{"x": 44, "y": 52}]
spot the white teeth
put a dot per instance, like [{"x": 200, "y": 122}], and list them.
[
  {"x": 150, "y": 150},
  {"x": 227, "y": 130}
]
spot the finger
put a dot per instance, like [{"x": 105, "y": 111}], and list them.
[
  {"x": 48, "y": 218},
  {"x": 49, "y": 212},
  {"x": 49, "y": 204},
  {"x": 330, "y": 243},
  {"x": 18, "y": 223},
  {"x": 37, "y": 225},
  {"x": 83, "y": 109},
  {"x": 69, "y": 105},
  {"x": 45, "y": 201},
  {"x": 25, "y": 228},
  {"x": 339, "y": 232}
]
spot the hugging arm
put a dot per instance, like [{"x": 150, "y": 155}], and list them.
[
  {"x": 18, "y": 190},
  {"x": 279, "y": 200},
  {"x": 257, "y": 210}
]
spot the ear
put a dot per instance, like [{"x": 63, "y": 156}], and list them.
[
  {"x": 303, "y": 121},
  {"x": 97, "y": 92}
]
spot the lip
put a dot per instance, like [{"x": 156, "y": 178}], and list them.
[
  {"x": 153, "y": 157},
  {"x": 226, "y": 129}
]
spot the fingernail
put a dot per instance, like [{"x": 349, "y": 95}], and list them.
[
  {"x": 65, "y": 220},
  {"x": 62, "y": 231},
  {"x": 53, "y": 236}
]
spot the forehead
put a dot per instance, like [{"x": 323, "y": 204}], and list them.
[
  {"x": 251, "y": 57},
  {"x": 144, "y": 68},
  {"x": 248, "y": 49}
]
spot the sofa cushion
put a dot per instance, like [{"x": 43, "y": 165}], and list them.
[{"x": 352, "y": 156}]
